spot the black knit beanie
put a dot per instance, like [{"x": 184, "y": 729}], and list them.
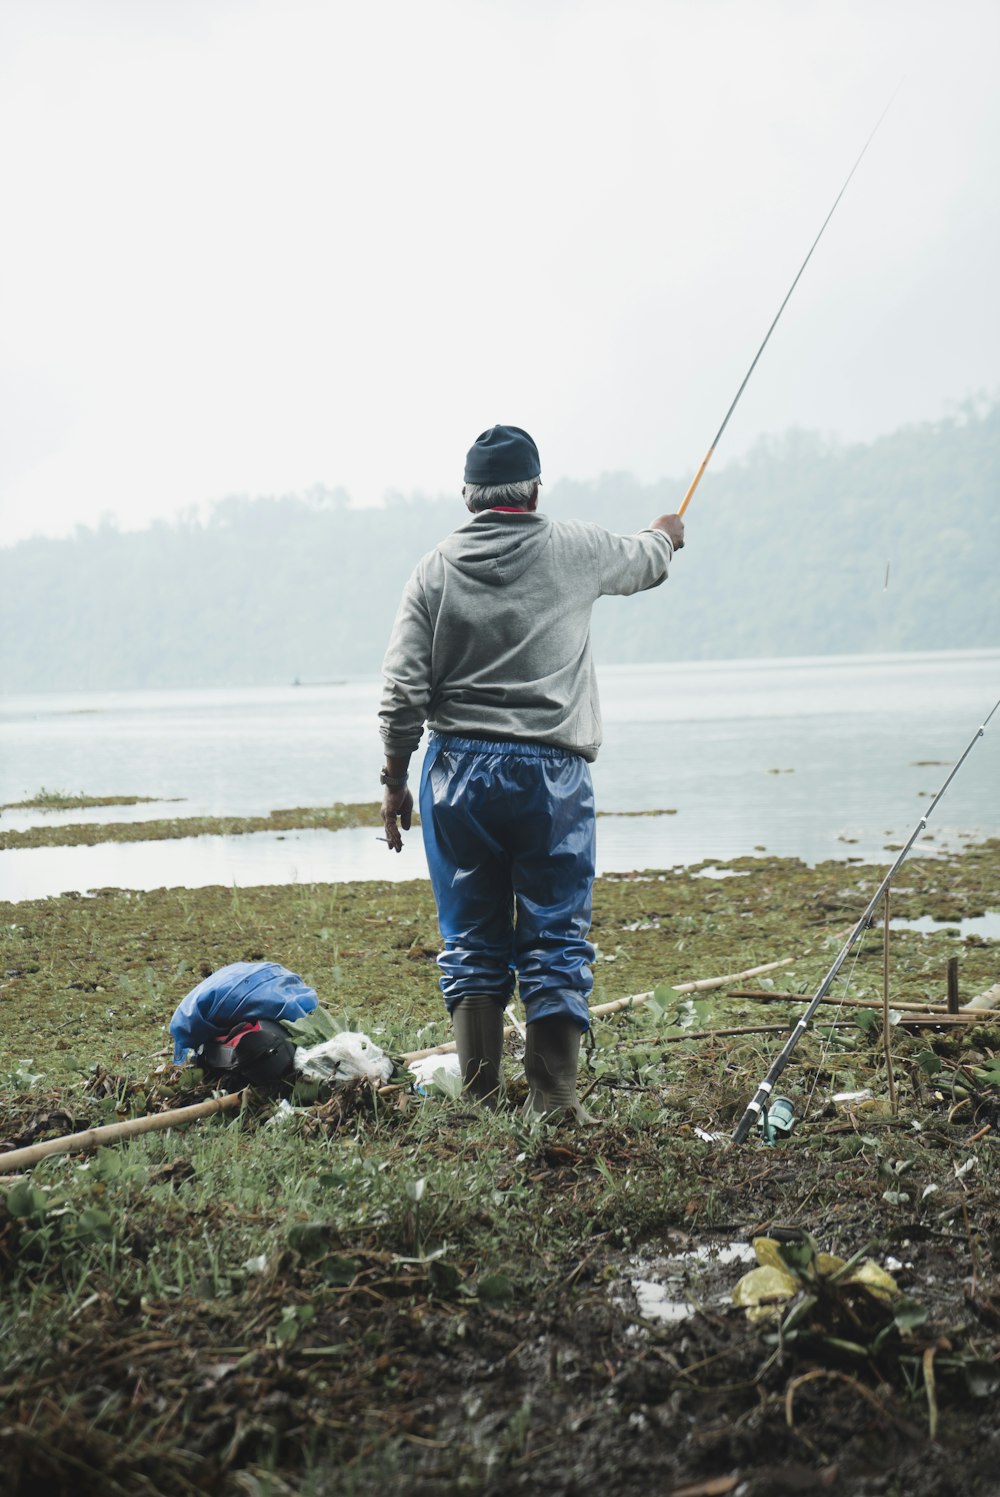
[{"x": 504, "y": 454}]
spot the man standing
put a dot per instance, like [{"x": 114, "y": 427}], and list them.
[{"x": 491, "y": 648}]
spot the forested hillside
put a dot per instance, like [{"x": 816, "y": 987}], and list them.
[{"x": 787, "y": 554}]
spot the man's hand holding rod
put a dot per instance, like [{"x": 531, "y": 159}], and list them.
[{"x": 674, "y": 527}]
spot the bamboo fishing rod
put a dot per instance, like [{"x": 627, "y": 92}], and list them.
[
  {"x": 746, "y": 378},
  {"x": 763, "y": 1093}
]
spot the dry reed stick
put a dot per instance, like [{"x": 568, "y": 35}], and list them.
[
  {"x": 700, "y": 986},
  {"x": 886, "y": 1026},
  {"x": 93, "y": 1138},
  {"x": 923, "y": 1010},
  {"x": 617, "y": 1004}
]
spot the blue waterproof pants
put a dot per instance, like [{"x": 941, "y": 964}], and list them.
[{"x": 509, "y": 834}]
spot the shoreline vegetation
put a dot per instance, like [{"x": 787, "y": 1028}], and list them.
[
  {"x": 405, "y": 1294},
  {"x": 62, "y": 800},
  {"x": 334, "y": 818},
  {"x": 298, "y": 818}
]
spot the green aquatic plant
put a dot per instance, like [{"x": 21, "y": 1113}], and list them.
[{"x": 66, "y": 800}]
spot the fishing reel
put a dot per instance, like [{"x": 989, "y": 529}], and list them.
[{"x": 776, "y": 1122}]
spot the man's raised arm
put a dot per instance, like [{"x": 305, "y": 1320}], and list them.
[{"x": 633, "y": 563}]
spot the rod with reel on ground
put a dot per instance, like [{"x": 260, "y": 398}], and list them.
[
  {"x": 746, "y": 378},
  {"x": 762, "y": 1096}
]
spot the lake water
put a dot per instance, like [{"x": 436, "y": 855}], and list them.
[{"x": 834, "y": 756}]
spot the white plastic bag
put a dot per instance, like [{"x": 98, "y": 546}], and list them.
[
  {"x": 344, "y": 1058},
  {"x": 427, "y": 1070}
]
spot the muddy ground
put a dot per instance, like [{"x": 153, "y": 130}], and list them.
[{"x": 404, "y": 1295}]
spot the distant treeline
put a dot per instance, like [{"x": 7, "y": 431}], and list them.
[{"x": 808, "y": 546}]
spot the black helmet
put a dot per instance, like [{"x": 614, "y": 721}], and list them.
[{"x": 258, "y": 1052}]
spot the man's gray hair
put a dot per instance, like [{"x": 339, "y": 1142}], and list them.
[{"x": 488, "y": 495}]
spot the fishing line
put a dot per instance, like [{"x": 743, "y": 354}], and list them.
[
  {"x": 845, "y": 987},
  {"x": 761, "y": 1098},
  {"x": 746, "y": 378}
]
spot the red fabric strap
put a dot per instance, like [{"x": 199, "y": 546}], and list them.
[{"x": 233, "y": 1038}]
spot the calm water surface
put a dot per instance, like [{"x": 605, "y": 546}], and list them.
[{"x": 827, "y": 757}]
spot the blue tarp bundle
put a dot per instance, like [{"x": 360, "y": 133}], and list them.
[{"x": 243, "y": 990}]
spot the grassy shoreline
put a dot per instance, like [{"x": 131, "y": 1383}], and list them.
[
  {"x": 369, "y": 948},
  {"x": 413, "y": 1297},
  {"x": 64, "y": 800},
  {"x": 334, "y": 818},
  {"x": 297, "y": 818}
]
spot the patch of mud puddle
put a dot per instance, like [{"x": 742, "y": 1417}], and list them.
[{"x": 667, "y": 1289}]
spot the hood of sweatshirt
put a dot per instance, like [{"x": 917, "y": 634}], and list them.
[{"x": 496, "y": 546}]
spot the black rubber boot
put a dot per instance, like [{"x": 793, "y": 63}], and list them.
[
  {"x": 551, "y": 1061},
  {"x": 478, "y": 1025}
]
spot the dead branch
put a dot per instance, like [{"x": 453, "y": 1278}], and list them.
[
  {"x": 920, "y": 1011},
  {"x": 93, "y": 1138},
  {"x": 700, "y": 986}
]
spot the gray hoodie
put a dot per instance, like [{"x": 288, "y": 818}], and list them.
[{"x": 492, "y": 637}]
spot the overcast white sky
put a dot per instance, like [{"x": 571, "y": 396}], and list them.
[{"x": 254, "y": 245}]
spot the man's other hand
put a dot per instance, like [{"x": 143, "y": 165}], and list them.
[
  {"x": 674, "y": 527},
  {"x": 397, "y": 805}
]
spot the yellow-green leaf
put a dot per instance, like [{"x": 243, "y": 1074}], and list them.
[
  {"x": 875, "y": 1279},
  {"x": 765, "y": 1283},
  {"x": 769, "y": 1254},
  {"x": 828, "y": 1263}
]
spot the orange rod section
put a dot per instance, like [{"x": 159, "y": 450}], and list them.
[{"x": 696, "y": 480}]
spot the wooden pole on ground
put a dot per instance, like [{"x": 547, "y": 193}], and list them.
[
  {"x": 616, "y": 1005},
  {"x": 702, "y": 985},
  {"x": 93, "y": 1138},
  {"x": 921, "y": 1010}
]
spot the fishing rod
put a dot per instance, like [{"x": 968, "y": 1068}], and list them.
[
  {"x": 763, "y": 1093},
  {"x": 746, "y": 378}
]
